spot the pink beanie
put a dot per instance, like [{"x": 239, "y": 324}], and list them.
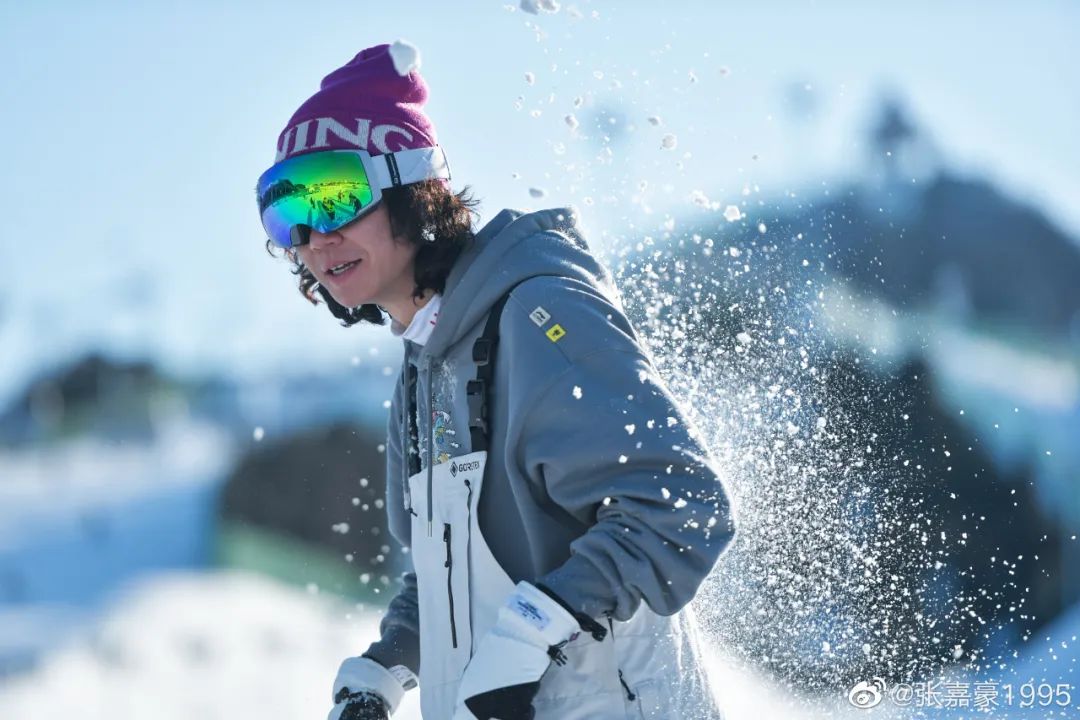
[{"x": 364, "y": 104}]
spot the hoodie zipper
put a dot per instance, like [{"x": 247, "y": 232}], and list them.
[
  {"x": 430, "y": 444},
  {"x": 403, "y": 429}
]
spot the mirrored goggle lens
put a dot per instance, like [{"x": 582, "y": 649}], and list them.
[{"x": 322, "y": 190}]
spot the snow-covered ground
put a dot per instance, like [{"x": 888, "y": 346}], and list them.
[
  {"x": 233, "y": 645},
  {"x": 80, "y": 519}
]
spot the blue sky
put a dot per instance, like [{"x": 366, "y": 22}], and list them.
[{"x": 134, "y": 133}]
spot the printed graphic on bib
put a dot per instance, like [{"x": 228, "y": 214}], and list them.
[
  {"x": 444, "y": 436},
  {"x": 442, "y": 422}
]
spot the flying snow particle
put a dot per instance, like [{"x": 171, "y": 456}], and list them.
[
  {"x": 669, "y": 141},
  {"x": 537, "y": 192},
  {"x": 732, "y": 213},
  {"x": 699, "y": 198},
  {"x": 405, "y": 56},
  {"x": 744, "y": 338},
  {"x": 571, "y": 122},
  {"x": 622, "y": 459},
  {"x": 629, "y": 429},
  {"x": 666, "y": 493},
  {"x": 761, "y": 228},
  {"x": 679, "y": 503},
  {"x": 577, "y": 392},
  {"x": 530, "y": 78},
  {"x": 821, "y": 422},
  {"x": 258, "y": 434},
  {"x": 655, "y": 120},
  {"x": 533, "y": 7}
]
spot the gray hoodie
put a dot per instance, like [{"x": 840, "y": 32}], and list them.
[{"x": 596, "y": 485}]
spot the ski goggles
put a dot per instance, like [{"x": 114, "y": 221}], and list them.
[{"x": 326, "y": 190}]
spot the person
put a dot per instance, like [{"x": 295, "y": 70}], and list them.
[{"x": 559, "y": 510}]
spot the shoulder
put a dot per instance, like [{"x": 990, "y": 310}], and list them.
[{"x": 556, "y": 315}]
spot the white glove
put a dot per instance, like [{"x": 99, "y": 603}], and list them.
[
  {"x": 504, "y": 673},
  {"x": 361, "y": 675}
]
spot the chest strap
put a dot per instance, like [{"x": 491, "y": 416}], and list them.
[{"x": 480, "y": 390}]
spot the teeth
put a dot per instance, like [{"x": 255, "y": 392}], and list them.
[{"x": 338, "y": 269}]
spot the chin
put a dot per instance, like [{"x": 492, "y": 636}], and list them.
[{"x": 351, "y": 298}]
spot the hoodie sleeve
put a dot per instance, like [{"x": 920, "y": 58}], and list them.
[
  {"x": 400, "y": 626},
  {"x": 606, "y": 441}
]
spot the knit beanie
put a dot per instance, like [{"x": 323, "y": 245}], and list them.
[{"x": 364, "y": 104}]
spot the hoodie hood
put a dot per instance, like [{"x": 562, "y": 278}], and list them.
[{"x": 512, "y": 247}]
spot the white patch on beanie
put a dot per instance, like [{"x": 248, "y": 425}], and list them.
[{"x": 405, "y": 56}]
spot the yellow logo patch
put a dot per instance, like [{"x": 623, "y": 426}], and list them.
[{"x": 555, "y": 332}]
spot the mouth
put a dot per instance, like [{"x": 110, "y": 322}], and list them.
[{"x": 340, "y": 270}]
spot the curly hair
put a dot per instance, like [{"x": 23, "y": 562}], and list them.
[{"x": 427, "y": 214}]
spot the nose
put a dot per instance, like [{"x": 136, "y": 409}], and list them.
[{"x": 320, "y": 241}]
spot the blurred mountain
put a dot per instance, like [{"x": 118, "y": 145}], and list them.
[
  {"x": 961, "y": 246},
  {"x": 324, "y": 487},
  {"x": 919, "y": 236},
  {"x": 127, "y": 400},
  {"x": 94, "y": 393}
]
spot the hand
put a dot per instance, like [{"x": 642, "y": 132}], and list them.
[
  {"x": 365, "y": 690},
  {"x": 504, "y": 673},
  {"x": 362, "y": 705}
]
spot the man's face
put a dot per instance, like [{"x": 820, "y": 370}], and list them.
[{"x": 382, "y": 266}]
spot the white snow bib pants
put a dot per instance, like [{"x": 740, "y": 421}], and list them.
[{"x": 647, "y": 667}]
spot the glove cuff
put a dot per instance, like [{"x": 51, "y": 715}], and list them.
[
  {"x": 362, "y": 673},
  {"x": 534, "y": 612}
]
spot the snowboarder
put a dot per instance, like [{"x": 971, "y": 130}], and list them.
[{"x": 559, "y": 510}]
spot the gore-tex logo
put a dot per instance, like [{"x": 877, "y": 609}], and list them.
[{"x": 453, "y": 469}]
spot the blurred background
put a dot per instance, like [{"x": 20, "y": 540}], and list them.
[{"x": 849, "y": 232}]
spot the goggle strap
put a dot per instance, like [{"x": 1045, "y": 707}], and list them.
[{"x": 405, "y": 167}]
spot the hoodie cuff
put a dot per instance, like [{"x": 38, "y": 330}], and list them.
[
  {"x": 398, "y": 646},
  {"x": 581, "y": 587}
]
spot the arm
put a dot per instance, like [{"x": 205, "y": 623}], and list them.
[
  {"x": 604, "y": 442},
  {"x": 370, "y": 687},
  {"x": 400, "y": 626},
  {"x": 618, "y": 455}
]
